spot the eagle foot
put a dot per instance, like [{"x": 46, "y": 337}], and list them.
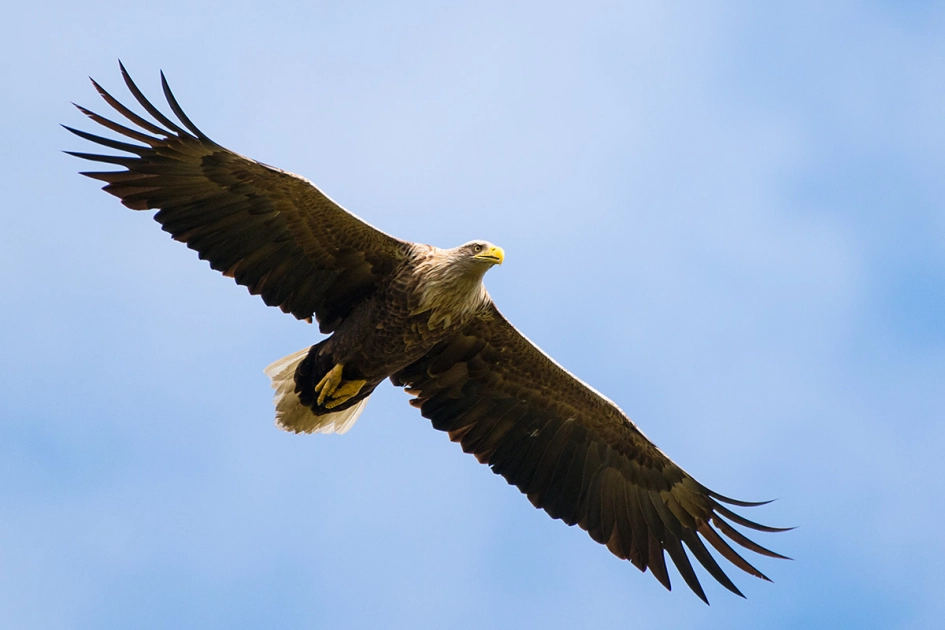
[
  {"x": 344, "y": 393},
  {"x": 333, "y": 391}
]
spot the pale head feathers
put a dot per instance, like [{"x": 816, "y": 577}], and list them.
[{"x": 450, "y": 281}]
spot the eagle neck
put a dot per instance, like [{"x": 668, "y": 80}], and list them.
[{"x": 450, "y": 290}]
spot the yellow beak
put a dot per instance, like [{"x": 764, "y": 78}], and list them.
[{"x": 494, "y": 254}]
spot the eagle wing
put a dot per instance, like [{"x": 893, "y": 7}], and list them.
[
  {"x": 272, "y": 231},
  {"x": 573, "y": 452}
]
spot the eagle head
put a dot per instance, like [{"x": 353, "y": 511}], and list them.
[{"x": 482, "y": 252}]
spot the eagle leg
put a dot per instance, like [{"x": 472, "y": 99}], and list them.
[{"x": 332, "y": 390}]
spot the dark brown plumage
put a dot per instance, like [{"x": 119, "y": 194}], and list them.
[{"x": 420, "y": 316}]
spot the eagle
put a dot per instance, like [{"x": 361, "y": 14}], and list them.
[{"x": 419, "y": 316}]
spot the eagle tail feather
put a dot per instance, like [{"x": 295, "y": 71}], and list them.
[{"x": 291, "y": 414}]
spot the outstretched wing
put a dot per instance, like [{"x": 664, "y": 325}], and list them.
[
  {"x": 272, "y": 231},
  {"x": 573, "y": 452}
]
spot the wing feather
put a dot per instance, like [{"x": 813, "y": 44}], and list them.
[
  {"x": 574, "y": 453},
  {"x": 272, "y": 231}
]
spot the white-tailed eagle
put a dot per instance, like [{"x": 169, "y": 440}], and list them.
[{"x": 419, "y": 316}]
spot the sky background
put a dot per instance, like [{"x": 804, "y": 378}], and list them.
[{"x": 730, "y": 220}]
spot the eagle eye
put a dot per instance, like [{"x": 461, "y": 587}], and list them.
[{"x": 477, "y": 248}]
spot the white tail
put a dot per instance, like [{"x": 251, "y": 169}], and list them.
[{"x": 291, "y": 415}]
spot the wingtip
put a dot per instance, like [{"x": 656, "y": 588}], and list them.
[
  {"x": 124, "y": 71},
  {"x": 739, "y": 503},
  {"x": 721, "y": 510},
  {"x": 84, "y": 110}
]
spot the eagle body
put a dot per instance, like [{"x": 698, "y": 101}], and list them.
[
  {"x": 420, "y": 316},
  {"x": 432, "y": 295}
]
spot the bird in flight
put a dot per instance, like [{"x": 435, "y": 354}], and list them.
[{"x": 420, "y": 316}]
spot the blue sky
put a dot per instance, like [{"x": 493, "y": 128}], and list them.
[{"x": 731, "y": 220}]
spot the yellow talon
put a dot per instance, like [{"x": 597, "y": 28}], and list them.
[
  {"x": 335, "y": 391},
  {"x": 344, "y": 393},
  {"x": 329, "y": 383}
]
